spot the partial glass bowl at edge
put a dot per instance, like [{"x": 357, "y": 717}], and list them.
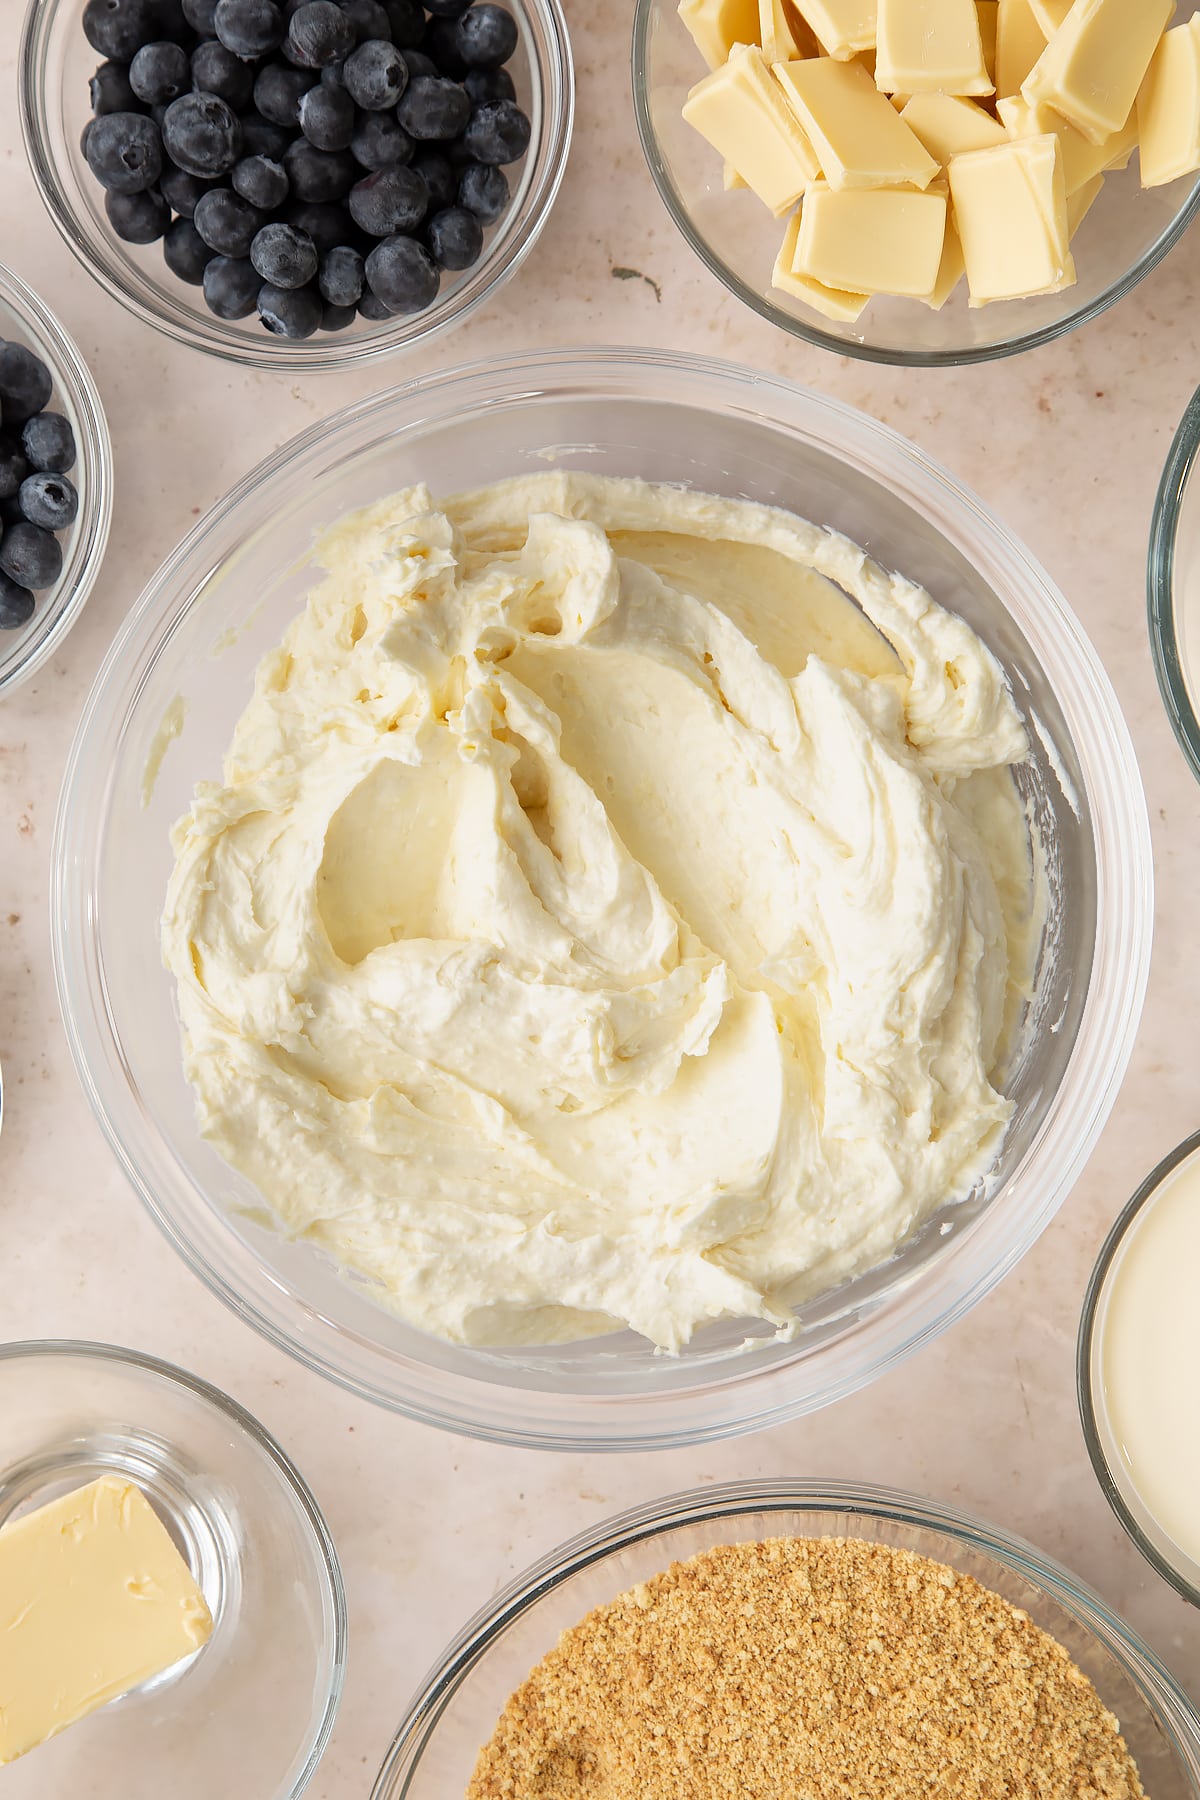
[
  {"x": 56, "y": 62},
  {"x": 1126, "y": 234},
  {"x": 1173, "y": 586},
  {"x": 26, "y": 319},
  {"x": 456, "y": 1710},
  {"x": 177, "y": 678}
]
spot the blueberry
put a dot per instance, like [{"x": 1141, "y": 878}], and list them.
[
  {"x": 407, "y": 20},
  {"x": 25, "y": 383},
  {"x": 483, "y": 190},
  {"x": 489, "y": 84},
  {"x": 379, "y": 141},
  {"x": 124, "y": 152},
  {"x": 227, "y": 223},
  {"x": 402, "y": 274},
  {"x": 30, "y": 556},
  {"x": 185, "y": 252},
  {"x": 201, "y": 16},
  {"x": 326, "y": 224},
  {"x": 455, "y": 237},
  {"x": 160, "y": 72},
  {"x": 16, "y": 605},
  {"x": 180, "y": 190},
  {"x": 331, "y": 76},
  {"x": 14, "y": 466},
  {"x": 49, "y": 443},
  {"x": 216, "y": 70},
  {"x": 84, "y": 136},
  {"x": 418, "y": 63},
  {"x": 278, "y": 92},
  {"x": 261, "y": 181},
  {"x": 340, "y": 278},
  {"x": 49, "y": 501},
  {"x": 372, "y": 307},
  {"x": 201, "y": 134},
  {"x": 327, "y": 117},
  {"x": 119, "y": 28},
  {"x": 433, "y": 109},
  {"x": 369, "y": 19},
  {"x": 283, "y": 256},
  {"x": 289, "y": 312},
  {"x": 439, "y": 176},
  {"x": 319, "y": 174},
  {"x": 318, "y": 33},
  {"x": 231, "y": 287},
  {"x": 446, "y": 9},
  {"x": 262, "y": 137},
  {"x": 376, "y": 75},
  {"x": 138, "y": 218},
  {"x": 486, "y": 36},
  {"x": 172, "y": 22},
  {"x": 250, "y": 28},
  {"x": 392, "y": 199},
  {"x": 336, "y": 318},
  {"x": 110, "y": 90},
  {"x": 498, "y": 132}
]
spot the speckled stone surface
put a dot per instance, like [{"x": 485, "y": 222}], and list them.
[{"x": 1066, "y": 444}]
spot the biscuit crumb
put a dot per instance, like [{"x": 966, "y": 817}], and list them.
[{"x": 818, "y": 1668}]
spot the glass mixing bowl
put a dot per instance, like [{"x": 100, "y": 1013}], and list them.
[
  {"x": 24, "y": 318},
  {"x": 180, "y": 673},
  {"x": 55, "y": 64},
  {"x": 456, "y": 1711},
  {"x": 1126, "y": 234},
  {"x": 252, "y": 1711},
  {"x": 1173, "y": 586}
]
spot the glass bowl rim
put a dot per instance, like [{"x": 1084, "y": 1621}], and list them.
[
  {"x": 327, "y": 351},
  {"x": 1126, "y": 1219},
  {"x": 53, "y": 342},
  {"x": 1160, "y": 583},
  {"x": 1163, "y": 1695},
  {"x": 824, "y": 340},
  {"x": 896, "y": 1328},
  {"x": 52, "y": 1349}
]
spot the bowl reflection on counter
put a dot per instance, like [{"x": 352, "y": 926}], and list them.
[{"x": 188, "y": 653}]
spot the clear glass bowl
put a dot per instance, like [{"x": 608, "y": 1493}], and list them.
[
  {"x": 25, "y": 318},
  {"x": 1173, "y": 586},
  {"x": 55, "y": 65},
  {"x": 185, "y": 660},
  {"x": 1125, "y": 235},
  {"x": 1103, "y": 1440},
  {"x": 252, "y": 1711},
  {"x": 456, "y": 1711}
]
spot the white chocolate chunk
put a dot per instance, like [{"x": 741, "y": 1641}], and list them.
[
  {"x": 835, "y": 303},
  {"x": 1020, "y": 41},
  {"x": 1010, "y": 208},
  {"x": 1093, "y": 66},
  {"x": 717, "y": 25},
  {"x": 844, "y": 28},
  {"x": 949, "y": 125},
  {"x": 741, "y": 110},
  {"x": 1081, "y": 159},
  {"x": 859, "y": 138},
  {"x": 930, "y": 46},
  {"x": 872, "y": 240},
  {"x": 1080, "y": 203},
  {"x": 1168, "y": 108}
]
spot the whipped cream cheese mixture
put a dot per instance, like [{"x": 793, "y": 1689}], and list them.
[{"x": 613, "y": 911}]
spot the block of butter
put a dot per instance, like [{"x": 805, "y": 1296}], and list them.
[
  {"x": 741, "y": 110},
  {"x": 949, "y": 126},
  {"x": 1093, "y": 66},
  {"x": 717, "y": 25},
  {"x": 872, "y": 240},
  {"x": 930, "y": 47},
  {"x": 1010, "y": 208},
  {"x": 844, "y": 28},
  {"x": 1020, "y": 40},
  {"x": 1168, "y": 107},
  {"x": 859, "y": 138},
  {"x": 94, "y": 1600},
  {"x": 782, "y": 33},
  {"x": 1081, "y": 159},
  {"x": 835, "y": 303}
]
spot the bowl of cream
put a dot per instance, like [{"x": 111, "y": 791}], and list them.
[
  {"x": 602, "y": 900},
  {"x": 1139, "y": 1350}
]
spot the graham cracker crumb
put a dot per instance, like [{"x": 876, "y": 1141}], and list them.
[{"x": 812, "y": 1668}]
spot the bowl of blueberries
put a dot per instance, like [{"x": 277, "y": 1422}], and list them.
[
  {"x": 56, "y": 480},
  {"x": 298, "y": 184}
]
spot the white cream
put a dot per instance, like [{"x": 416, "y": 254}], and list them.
[
  {"x": 1148, "y": 1345},
  {"x": 603, "y": 919}
]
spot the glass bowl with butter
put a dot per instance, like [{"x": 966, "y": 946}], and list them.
[
  {"x": 719, "y": 442},
  {"x": 1173, "y": 586},
  {"x": 898, "y": 194},
  {"x": 174, "y": 1620}
]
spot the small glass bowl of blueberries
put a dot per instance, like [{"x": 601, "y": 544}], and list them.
[
  {"x": 56, "y": 479},
  {"x": 298, "y": 184}
]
